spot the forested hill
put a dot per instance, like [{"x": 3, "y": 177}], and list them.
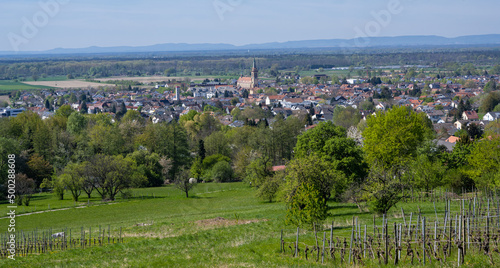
[{"x": 364, "y": 42}]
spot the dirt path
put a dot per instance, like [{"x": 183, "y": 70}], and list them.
[{"x": 52, "y": 210}]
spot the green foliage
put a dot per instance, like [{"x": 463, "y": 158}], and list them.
[
  {"x": 392, "y": 138},
  {"x": 217, "y": 143},
  {"x": 116, "y": 175},
  {"x": 346, "y": 117},
  {"x": 306, "y": 207},
  {"x": 391, "y": 141},
  {"x": 7, "y": 147},
  {"x": 64, "y": 111},
  {"x": 182, "y": 182},
  {"x": 330, "y": 142},
  {"x": 76, "y": 123},
  {"x": 489, "y": 102},
  {"x": 148, "y": 165},
  {"x": 316, "y": 172},
  {"x": 210, "y": 161},
  {"x": 258, "y": 171},
  {"x": 269, "y": 189},
  {"x": 485, "y": 163},
  {"x": 221, "y": 172}
]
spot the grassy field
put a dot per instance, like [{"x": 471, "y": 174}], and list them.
[
  {"x": 12, "y": 85},
  {"x": 221, "y": 225}
]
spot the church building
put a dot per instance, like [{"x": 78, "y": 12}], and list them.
[{"x": 252, "y": 81}]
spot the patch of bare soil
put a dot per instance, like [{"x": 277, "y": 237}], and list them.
[{"x": 221, "y": 222}]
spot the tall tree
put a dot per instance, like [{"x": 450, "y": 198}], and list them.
[{"x": 391, "y": 140}]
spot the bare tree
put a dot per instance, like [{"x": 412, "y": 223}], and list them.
[
  {"x": 182, "y": 181},
  {"x": 25, "y": 187}
]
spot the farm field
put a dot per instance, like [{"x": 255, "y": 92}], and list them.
[
  {"x": 11, "y": 85},
  {"x": 155, "y": 79},
  {"x": 220, "y": 225},
  {"x": 67, "y": 84}
]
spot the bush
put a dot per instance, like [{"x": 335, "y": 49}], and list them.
[{"x": 221, "y": 172}]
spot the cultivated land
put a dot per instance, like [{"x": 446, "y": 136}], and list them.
[
  {"x": 12, "y": 85},
  {"x": 156, "y": 79},
  {"x": 67, "y": 84},
  {"x": 4, "y": 98},
  {"x": 221, "y": 225}
]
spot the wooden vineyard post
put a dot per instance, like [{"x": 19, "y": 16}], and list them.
[
  {"x": 386, "y": 244},
  {"x": 350, "y": 244},
  {"x": 459, "y": 238},
  {"x": 281, "y": 241},
  {"x": 364, "y": 244},
  {"x": 297, "y": 243},
  {"x": 396, "y": 244},
  {"x": 423, "y": 238},
  {"x": 331, "y": 237},
  {"x": 435, "y": 236},
  {"x": 323, "y": 251}
]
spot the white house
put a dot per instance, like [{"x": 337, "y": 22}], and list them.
[{"x": 491, "y": 116}]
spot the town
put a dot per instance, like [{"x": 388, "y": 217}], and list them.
[{"x": 452, "y": 103}]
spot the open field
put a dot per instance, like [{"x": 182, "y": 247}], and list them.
[
  {"x": 4, "y": 98},
  {"x": 67, "y": 84},
  {"x": 155, "y": 79},
  {"x": 11, "y": 85},
  {"x": 221, "y": 225}
]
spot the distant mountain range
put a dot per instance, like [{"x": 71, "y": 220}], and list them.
[{"x": 371, "y": 42}]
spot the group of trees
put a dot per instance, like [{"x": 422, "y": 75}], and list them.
[
  {"x": 98, "y": 152},
  {"x": 74, "y": 152},
  {"x": 397, "y": 155}
]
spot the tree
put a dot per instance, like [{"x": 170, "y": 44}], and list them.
[
  {"x": 309, "y": 183},
  {"x": 112, "y": 174},
  {"x": 8, "y": 148},
  {"x": 73, "y": 179},
  {"x": 258, "y": 171},
  {"x": 39, "y": 169},
  {"x": 489, "y": 101},
  {"x": 490, "y": 86},
  {"x": 64, "y": 111},
  {"x": 182, "y": 182},
  {"x": 331, "y": 143},
  {"x": 148, "y": 164},
  {"x": 201, "y": 150},
  {"x": 391, "y": 140},
  {"x": 426, "y": 171},
  {"x": 76, "y": 123},
  {"x": 221, "y": 172},
  {"x": 485, "y": 163},
  {"x": 346, "y": 117},
  {"x": 84, "y": 109},
  {"x": 217, "y": 143},
  {"x": 25, "y": 187}
]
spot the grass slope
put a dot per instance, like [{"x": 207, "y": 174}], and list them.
[{"x": 185, "y": 232}]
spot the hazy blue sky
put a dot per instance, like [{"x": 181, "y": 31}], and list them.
[{"x": 26, "y": 25}]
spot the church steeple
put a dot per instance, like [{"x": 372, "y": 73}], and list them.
[{"x": 255, "y": 75}]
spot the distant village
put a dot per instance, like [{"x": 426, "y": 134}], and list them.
[{"x": 317, "y": 100}]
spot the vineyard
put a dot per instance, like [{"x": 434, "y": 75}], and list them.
[
  {"x": 45, "y": 241},
  {"x": 469, "y": 226}
]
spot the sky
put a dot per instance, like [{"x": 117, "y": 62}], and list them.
[{"x": 37, "y": 25}]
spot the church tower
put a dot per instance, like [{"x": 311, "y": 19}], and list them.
[{"x": 255, "y": 75}]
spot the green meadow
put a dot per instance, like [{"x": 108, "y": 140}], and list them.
[
  {"x": 12, "y": 85},
  {"x": 219, "y": 225}
]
